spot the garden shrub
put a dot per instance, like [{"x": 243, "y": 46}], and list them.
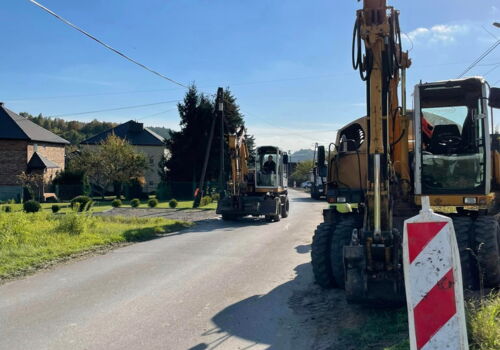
[
  {"x": 31, "y": 206},
  {"x": 153, "y": 202},
  {"x": 205, "y": 200},
  {"x": 134, "y": 203},
  {"x": 173, "y": 203},
  {"x": 55, "y": 208},
  {"x": 134, "y": 189},
  {"x": 73, "y": 224},
  {"x": 7, "y": 209},
  {"x": 116, "y": 203},
  {"x": 71, "y": 183},
  {"x": 84, "y": 203}
]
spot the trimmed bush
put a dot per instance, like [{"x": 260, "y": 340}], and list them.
[
  {"x": 153, "y": 202},
  {"x": 84, "y": 203},
  {"x": 134, "y": 203},
  {"x": 55, "y": 208},
  {"x": 7, "y": 209},
  {"x": 31, "y": 206},
  {"x": 116, "y": 203},
  {"x": 173, "y": 203},
  {"x": 205, "y": 200}
]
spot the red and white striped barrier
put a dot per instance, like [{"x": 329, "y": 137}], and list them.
[{"x": 433, "y": 281}]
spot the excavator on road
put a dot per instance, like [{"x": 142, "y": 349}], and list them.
[
  {"x": 382, "y": 164},
  {"x": 259, "y": 191}
]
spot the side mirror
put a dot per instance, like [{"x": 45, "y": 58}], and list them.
[
  {"x": 321, "y": 155},
  {"x": 494, "y": 100},
  {"x": 285, "y": 158}
]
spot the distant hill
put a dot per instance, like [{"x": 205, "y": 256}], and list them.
[
  {"x": 76, "y": 131},
  {"x": 73, "y": 131},
  {"x": 160, "y": 130},
  {"x": 301, "y": 155}
]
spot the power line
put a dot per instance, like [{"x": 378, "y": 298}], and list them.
[
  {"x": 112, "y": 109},
  {"x": 480, "y": 58},
  {"x": 86, "y": 95},
  {"x": 106, "y": 45},
  {"x": 155, "y": 114},
  {"x": 491, "y": 70}
]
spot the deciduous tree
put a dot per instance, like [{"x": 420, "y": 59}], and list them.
[{"x": 113, "y": 161}]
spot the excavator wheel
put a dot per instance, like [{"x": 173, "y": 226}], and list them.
[
  {"x": 340, "y": 238},
  {"x": 320, "y": 255},
  {"x": 271, "y": 218},
  {"x": 463, "y": 233},
  {"x": 285, "y": 208},
  {"x": 487, "y": 249}
]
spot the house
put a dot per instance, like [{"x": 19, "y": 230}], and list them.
[
  {"x": 26, "y": 147},
  {"x": 144, "y": 140}
]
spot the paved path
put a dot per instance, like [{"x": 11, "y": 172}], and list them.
[{"x": 241, "y": 285}]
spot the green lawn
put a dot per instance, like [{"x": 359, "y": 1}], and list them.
[
  {"x": 100, "y": 205},
  {"x": 28, "y": 241}
]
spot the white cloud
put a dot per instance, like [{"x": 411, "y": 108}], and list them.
[{"x": 440, "y": 33}]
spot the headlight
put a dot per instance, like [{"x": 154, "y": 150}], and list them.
[
  {"x": 341, "y": 199},
  {"x": 470, "y": 200}
]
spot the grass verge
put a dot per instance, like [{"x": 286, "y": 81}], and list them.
[
  {"x": 388, "y": 330},
  {"x": 483, "y": 323},
  {"x": 29, "y": 241}
]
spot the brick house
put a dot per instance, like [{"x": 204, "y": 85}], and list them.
[
  {"x": 144, "y": 140},
  {"x": 26, "y": 147}
]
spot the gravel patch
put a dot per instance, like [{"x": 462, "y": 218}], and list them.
[{"x": 189, "y": 215}]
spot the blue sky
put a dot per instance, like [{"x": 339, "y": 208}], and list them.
[{"x": 287, "y": 62}]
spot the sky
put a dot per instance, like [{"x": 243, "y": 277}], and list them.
[{"x": 287, "y": 62}]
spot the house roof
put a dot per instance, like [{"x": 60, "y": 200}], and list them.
[
  {"x": 135, "y": 133},
  {"x": 38, "y": 161},
  {"x": 16, "y": 127}
]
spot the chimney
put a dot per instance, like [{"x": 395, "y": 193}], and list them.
[{"x": 136, "y": 127}]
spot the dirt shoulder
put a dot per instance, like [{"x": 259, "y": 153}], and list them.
[{"x": 189, "y": 215}]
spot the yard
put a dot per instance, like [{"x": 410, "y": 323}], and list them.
[{"x": 31, "y": 241}]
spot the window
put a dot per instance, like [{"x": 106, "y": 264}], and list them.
[
  {"x": 453, "y": 152},
  {"x": 267, "y": 167}
]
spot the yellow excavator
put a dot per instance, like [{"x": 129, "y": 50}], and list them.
[
  {"x": 259, "y": 191},
  {"x": 443, "y": 149}
]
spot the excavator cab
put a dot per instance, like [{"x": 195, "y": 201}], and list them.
[
  {"x": 452, "y": 153},
  {"x": 270, "y": 167}
]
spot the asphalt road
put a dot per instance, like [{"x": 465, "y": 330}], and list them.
[{"x": 242, "y": 285}]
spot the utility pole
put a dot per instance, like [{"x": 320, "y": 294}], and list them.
[
  {"x": 220, "y": 108},
  {"x": 200, "y": 193}
]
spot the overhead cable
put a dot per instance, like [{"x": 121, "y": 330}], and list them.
[{"x": 106, "y": 45}]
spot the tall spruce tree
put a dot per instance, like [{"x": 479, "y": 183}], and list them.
[{"x": 187, "y": 146}]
